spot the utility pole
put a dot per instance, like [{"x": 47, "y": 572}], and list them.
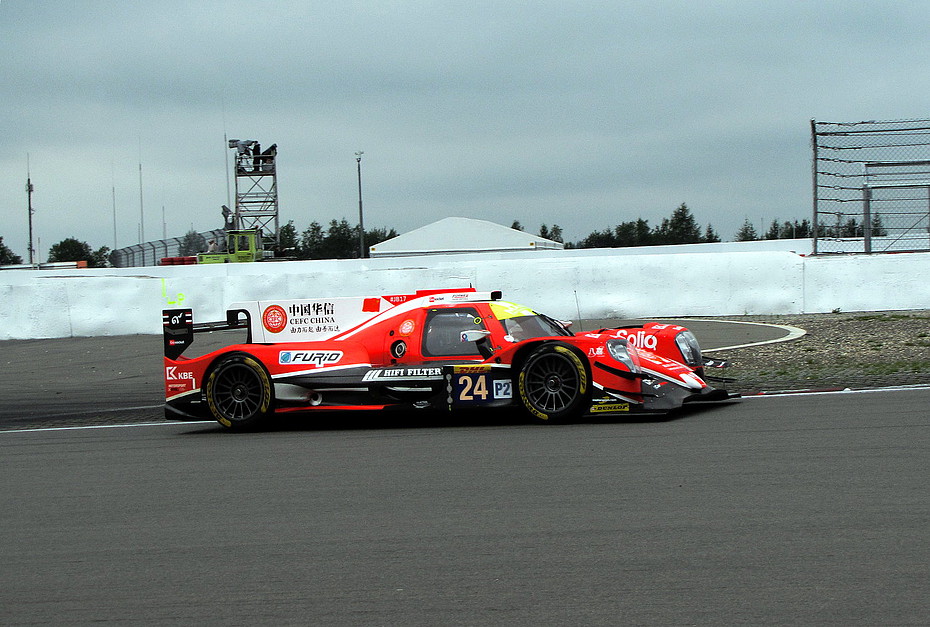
[
  {"x": 361, "y": 219},
  {"x": 113, "y": 189},
  {"x": 141, "y": 211},
  {"x": 29, "y": 190}
]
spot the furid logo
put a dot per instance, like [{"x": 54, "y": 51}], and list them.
[{"x": 316, "y": 358}]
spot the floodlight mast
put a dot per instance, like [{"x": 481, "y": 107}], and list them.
[{"x": 256, "y": 190}]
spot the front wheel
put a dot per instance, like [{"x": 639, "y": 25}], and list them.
[
  {"x": 554, "y": 383},
  {"x": 239, "y": 392}
]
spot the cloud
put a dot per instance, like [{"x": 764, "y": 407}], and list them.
[{"x": 581, "y": 114}]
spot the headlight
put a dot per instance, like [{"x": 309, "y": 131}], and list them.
[
  {"x": 690, "y": 349},
  {"x": 619, "y": 350}
]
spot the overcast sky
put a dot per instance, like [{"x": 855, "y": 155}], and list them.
[{"x": 582, "y": 114}]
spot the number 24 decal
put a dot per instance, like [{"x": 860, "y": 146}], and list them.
[{"x": 473, "y": 388}]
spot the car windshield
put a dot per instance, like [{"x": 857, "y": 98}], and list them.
[
  {"x": 527, "y": 327},
  {"x": 521, "y": 323}
]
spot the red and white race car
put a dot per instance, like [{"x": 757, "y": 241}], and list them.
[{"x": 439, "y": 349}]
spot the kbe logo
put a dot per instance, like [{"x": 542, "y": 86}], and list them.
[
  {"x": 641, "y": 339},
  {"x": 172, "y": 374},
  {"x": 317, "y": 358}
]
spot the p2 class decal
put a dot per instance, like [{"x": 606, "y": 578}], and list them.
[
  {"x": 178, "y": 331},
  {"x": 398, "y": 349},
  {"x": 274, "y": 318}
]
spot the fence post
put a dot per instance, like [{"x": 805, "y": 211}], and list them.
[
  {"x": 867, "y": 218},
  {"x": 816, "y": 233}
]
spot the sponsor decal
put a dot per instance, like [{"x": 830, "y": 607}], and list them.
[
  {"x": 302, "y": 318},
  {"x": 317, "y": 328},
  {"x": 582, "y": 373},
  {"x": 316, "y": 358},
  {"x": 274, "y": 318},
  {"x": 174, "y": 319},
  {"x": 609, "y": 407},
  {"x": 173, "y": 374},
  {"x": 641, "y": 339},
  {"x": 471, "y": 369},
  {"x": 597, "y": 351},
  {"x": 407, "y": 327},
  {"x": 393, "y": 374},
  {"x": 312, "y": 309}
]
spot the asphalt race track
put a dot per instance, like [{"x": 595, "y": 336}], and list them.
[
  {"x": 800, "y": 509},
  {"x": 803, "y": 509}
]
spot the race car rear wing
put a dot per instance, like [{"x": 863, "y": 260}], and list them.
[{"x": 178, "y": 329}]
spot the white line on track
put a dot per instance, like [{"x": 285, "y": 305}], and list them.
[
  {"x": 895, "y": 388},
  {"x": 125, "y": 426}
]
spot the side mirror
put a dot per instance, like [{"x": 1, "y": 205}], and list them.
[{"x": 475, "y": 335}]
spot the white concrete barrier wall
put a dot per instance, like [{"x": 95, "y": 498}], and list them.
[{"x": 733, "y": 280}]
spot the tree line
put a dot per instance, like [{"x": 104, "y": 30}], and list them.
[
  {"x": 68, "y": 249},
  {"x": 339, "y": 239}
]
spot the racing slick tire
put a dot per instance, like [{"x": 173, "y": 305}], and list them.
[
  {"x": 239, "y": 392},
  {"x": 554, "y": 383}
]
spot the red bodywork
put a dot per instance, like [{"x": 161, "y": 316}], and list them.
[{"x": 434, "y": 349}]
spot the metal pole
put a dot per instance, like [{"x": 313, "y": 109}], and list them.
[
  {"x": 867, "y": 218},
  {"x": 226, "y": 157},
  {"x": 114, "y": 215},
  {"x": 29, "y": 190},
  {"x": 361, "y": 220},
  {"x": 816, "y": 233},
  {"x": 141, "y": 212}
]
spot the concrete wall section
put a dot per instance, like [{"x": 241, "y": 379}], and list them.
[
  {"x": 867, "y": 282},
  {"x": 734, "y": 280}
]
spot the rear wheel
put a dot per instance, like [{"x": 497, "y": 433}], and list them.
[
  {"x": 239, "y": 392},
  {"x": 554, "y": 383}
]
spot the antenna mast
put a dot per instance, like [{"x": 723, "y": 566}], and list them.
[{"x": 29, "y": 190}]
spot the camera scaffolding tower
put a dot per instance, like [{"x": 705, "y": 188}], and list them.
[{"x": 256, "y": 190}]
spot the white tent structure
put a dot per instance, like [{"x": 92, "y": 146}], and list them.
[{"x": 460, "y": 235}]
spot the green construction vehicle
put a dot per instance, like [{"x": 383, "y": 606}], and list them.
[{"x": 242, "y": 246}]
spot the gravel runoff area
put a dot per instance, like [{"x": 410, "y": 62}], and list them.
[{"x": 839, "y": 350}]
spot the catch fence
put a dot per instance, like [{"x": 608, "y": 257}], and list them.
[
  {"x": 871, "y": 183},
  {"x": 151, "y": 253}
]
